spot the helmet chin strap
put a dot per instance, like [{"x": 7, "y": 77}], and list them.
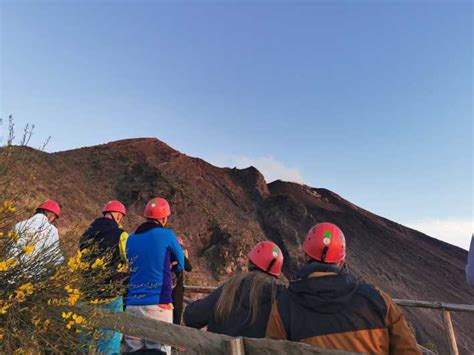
[
  {"x": 323, "y": 254},
  {"x": 112, "y": 216},
  {"x": 270, "y": 265}
]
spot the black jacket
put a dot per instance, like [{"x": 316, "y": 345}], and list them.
[
  {"x": 201, "y": 313},
  {"x": 340, "y": 303},
  {"x": 328, "y": 308},
  {"x": 103, "y": 238},
  {"x": 178, "y": 291}
]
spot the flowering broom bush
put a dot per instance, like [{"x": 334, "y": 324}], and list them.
[{"x": 39, "y": 291}]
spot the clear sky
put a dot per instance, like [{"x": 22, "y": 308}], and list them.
[{"x": 371, "y": 99}]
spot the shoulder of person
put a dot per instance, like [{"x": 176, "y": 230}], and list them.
[
  {"x": 281, "y": 287},
  {"x": 166, "y": 231},
  {"x": 375, "y": 294},
  {"x": 170, "y": 234},
  {"x": 54, "y": 229}
]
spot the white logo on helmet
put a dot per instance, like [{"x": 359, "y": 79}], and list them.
[{"x": 327, "y": 241}]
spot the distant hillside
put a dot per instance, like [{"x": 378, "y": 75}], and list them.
[{"x": 223, "y": 212}]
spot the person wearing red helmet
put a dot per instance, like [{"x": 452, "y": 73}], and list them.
[
  {"x": 327, "y": 307},
  {"x": 105, "y": 237},
  {"x": 39, "y": 231},
  {"x": 241, "y": 306},
  {"x": 150, "y": 251}
]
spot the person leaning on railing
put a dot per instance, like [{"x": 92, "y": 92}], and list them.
[
  {"x": 470, "y": 264},
  {"x": 241, "y": 306},
  {"x": 328, "y": 308}
]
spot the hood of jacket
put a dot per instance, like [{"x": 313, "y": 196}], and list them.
[{"x": 323, "y": 288}]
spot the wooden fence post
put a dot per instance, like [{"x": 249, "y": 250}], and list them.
[
  {"x": 235, "y": 346},
  {"x": 453, "y": 346}
]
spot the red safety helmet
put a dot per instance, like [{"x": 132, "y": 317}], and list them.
[
  {"x": 157, "y": 208},
  {"x": 325, "y": 242},
  {"x": 51, "y": 206},
  {"x": 268, "y": 257},
  {"x": 180, "y": 241},
  {"x": 114, "y": 206}
]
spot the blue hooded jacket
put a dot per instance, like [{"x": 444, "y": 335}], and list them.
[{"x": 150, "y": 251}]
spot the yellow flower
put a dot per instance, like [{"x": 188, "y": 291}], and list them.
[
  {"x": 67, "y": 315},
  {"x": 72, "y": 264},
  {"x": 52, "y": 302},
  {"x": 72, "y": 299},
  {"x": 98, "y": 263},
  {"x": 13, "y": 235},
  {"x": 20, "y": 296},
  {"x": 3, "y": 307},
  {"x": 5, "y": 265},
  {"x": 28, "y": 288},
  {"x": 8, "y": 206},
  {"x": 70, "y": 324},
  {"x": 29, "y": 249},
  {"x": 74, "y": 295},
  {"x": 122, "y": 267},
  {"x": 78, "y": 319}
]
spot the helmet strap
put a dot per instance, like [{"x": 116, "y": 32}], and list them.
[
  {"x": 270, "y": 265},
  {"x": 324, "y": 253},
  {"x": 111, "y": 216}
]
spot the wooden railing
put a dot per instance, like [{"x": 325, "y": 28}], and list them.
[
  {"x": 445, "y": 308},
  {"x": 195, "y": 341}
]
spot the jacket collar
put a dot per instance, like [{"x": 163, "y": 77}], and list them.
[
  {"x": 147, "y": 226},
  {"x": 316, "y": 269}
]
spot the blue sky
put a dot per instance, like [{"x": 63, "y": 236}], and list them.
[{"x": 371, "y": 99}]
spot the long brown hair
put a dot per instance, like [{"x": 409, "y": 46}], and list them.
[{"x": 257, "y": 281}]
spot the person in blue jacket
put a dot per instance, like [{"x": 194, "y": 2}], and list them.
[
  {"x": 470, "y": 264},
  {"x": 150, "y": 251}
]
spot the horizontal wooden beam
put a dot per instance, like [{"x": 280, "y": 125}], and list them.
[
  {"x": 199, "y": 289},
  {"x": 436, "y": 305},
  {"x": 194, "y": 341}
]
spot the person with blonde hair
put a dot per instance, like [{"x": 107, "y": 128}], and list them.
[{"x": 241, "y": 306}]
